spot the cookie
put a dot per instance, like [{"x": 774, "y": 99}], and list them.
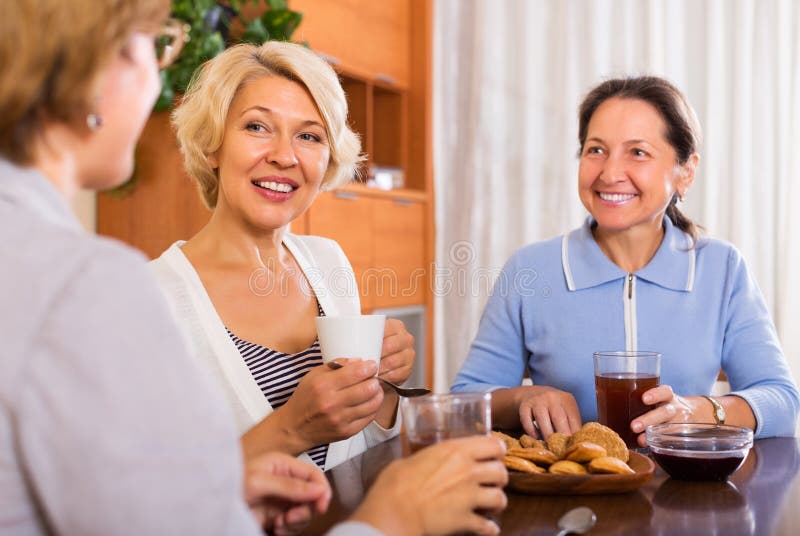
[
  {"x": 529, "y": 442},
  {"x": 539, "y": 456},
  {"x": 609, "y": 465},
  {"x": 596, "y": 433},
  {"x": 511, "y": 442},
  {"x": 557, "y": 443},
  {"x": 584, "y": 452},
  {"x": 514, "y": 463},
  {"x": 566, "y": 467}
]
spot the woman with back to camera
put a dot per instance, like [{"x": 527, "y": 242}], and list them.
[
  {"x": 107, "y": 425},
  {"x": 105, "y": 419},
  {"x": 262, "y": 130},
  {"x": 635, "y": 276}
]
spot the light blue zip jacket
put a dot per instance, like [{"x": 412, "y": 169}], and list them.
[{"x": 556, "y": 302}]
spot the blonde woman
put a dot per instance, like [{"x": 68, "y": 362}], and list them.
[{"x": 263, "y": 130}]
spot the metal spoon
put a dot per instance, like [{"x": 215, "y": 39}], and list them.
[
  {"x": 576, "y": 521},
  {"x": 407, "y": 392}
]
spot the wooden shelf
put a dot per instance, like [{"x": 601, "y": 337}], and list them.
[
  {"x": 379, "y": 114},
  {"x": 397, "y": 193}
]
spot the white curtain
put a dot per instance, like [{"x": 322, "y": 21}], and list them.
[{"x": 508, "y": 78}]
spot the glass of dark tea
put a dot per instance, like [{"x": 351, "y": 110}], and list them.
[
  {"x": 620, "y": 380},
  {"x": 434, "y": 418}
]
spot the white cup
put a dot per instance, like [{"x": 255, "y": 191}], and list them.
[{"x": 358, "y": 337}]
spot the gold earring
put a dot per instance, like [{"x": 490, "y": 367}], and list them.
[{"x": 680, "y": 197}]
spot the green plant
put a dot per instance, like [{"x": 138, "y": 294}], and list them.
[{"x": 210, "y": 23}]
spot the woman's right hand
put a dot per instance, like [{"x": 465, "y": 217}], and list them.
[
  {"x": 553, "y": 411},
  {"x": 439, "y": 489},
  {"x": 331, "y": 405}
]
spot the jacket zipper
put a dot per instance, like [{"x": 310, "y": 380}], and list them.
[{"x": 629, "y": 305}]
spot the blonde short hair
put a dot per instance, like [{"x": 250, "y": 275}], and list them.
[
  {"x": 200, "y": 118},
  {"x": 51, "y": 52}
]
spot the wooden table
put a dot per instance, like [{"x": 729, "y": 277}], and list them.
[{"x": 762, "y": 498}]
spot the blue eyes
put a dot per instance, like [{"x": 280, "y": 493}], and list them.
[
  {"x": 259, "y": 128},
  {"x": 309, "y": 137}
]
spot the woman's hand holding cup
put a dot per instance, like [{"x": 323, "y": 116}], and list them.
[{"x": 331, "y": 405}]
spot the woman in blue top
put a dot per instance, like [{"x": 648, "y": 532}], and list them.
[{"x": 634, "y": 276}]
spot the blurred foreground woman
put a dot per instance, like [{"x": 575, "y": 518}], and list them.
[{"x": 107, "y": 426}]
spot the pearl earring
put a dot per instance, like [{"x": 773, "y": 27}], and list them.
[{"x": 94, "y": 121}]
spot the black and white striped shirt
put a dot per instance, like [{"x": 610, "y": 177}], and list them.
[{"x": 278, "y": 375}]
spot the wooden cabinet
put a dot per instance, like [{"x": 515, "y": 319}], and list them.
[
  {"x": 379, "y": 114},
  {"x": 370, "y": 38},
  {"x": 399, "y": 250},
  {"x": 345, "y": 218},
  {"x": 384, "y": 239},
  {"x": 164, "y": 206}
]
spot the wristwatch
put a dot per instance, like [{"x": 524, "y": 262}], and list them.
[{"x": 719, "y": 411}]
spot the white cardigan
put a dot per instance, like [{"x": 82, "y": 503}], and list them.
[{"x": 331, "y": 277}]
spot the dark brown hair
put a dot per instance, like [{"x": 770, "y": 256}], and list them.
[
  {"x": 51, "y": 52},
  {"x": 683, "y": 131}
]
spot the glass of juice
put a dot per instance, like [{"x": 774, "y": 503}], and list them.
[
  {"x": 434, "y": 418},
  {"x": 620, "y": 380}
]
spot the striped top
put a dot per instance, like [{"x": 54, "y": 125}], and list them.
[{"x": 278, "y": 374}]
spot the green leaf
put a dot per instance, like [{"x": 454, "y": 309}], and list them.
[
  {"x": 167, "y": 95},
  {"x": 278, "y": 5},
  {"x": 255, "y": 32},
  {"x": 281, "y": 24}
]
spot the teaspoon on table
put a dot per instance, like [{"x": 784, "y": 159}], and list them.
[
  {"x": 408, "y": 392},
  {"x": 576, "y": 521}
]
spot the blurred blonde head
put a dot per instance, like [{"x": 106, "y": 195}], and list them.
[
  {"x": 51, "y": 53},
  {"x": 200, "y": 118}
]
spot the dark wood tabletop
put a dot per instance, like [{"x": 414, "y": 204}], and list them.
[{"x": 761, "y": 498}]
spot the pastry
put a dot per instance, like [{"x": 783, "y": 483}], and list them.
[
  {"x": 594, "y": 432},
  {"x": 566, "y": 467},
  {"x": 527, "y": 442},
  {"x": 609, "y": 465},
  {"x": 518, "y": 464},
  {"x": 511, "y": 442},
  {"x": 557, "y": 443},
  {"x": 539, "y": 456},
  {"x": 584, "y": 452}
]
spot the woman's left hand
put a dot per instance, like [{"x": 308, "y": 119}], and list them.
[
  {"x": 284, "y": 493},
  {"x": 670, "y": 408},
  {"x": 397, "y": 353}
]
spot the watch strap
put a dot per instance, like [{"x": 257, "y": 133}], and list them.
[{"x": 719, "y": 411}]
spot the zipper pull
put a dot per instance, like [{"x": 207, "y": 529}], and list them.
[{"x": 630, "y": 286}]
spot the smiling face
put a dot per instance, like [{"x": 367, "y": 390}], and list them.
[
  {"x": 274, "y": 153},
  {"x": 628, "y": 170}
]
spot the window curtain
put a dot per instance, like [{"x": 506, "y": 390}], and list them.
[{"x": 508, "y": 78}]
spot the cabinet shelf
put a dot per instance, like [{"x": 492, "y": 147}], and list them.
[
  {"x": 378, "y": 112},
  {"x": 401, "y": 194}
]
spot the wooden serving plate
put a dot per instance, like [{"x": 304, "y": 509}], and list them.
[{"x": 549, "y": 484}]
